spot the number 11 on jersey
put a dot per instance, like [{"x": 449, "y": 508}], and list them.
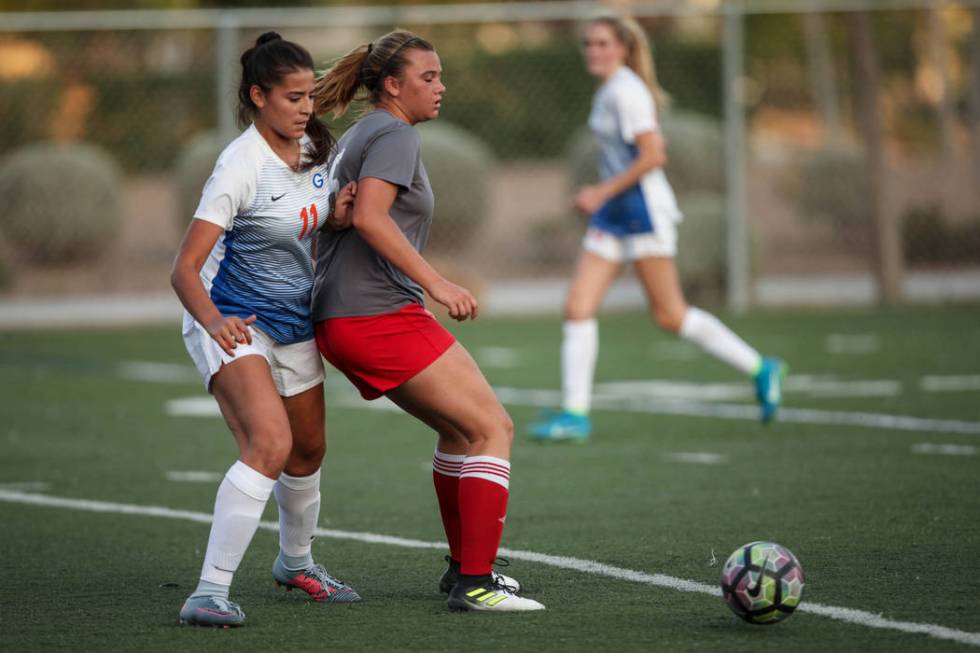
[{"x": 305, "y": 214}]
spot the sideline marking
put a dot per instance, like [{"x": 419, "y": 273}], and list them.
[
  {"x": 851, "y": 343},
  {"x": 804, "y": 384},
  {"x": 945, "y": 449},
  {"x": 849, "y": 615},
  {"x": 498, "y": 357},
  {"x": 696, "y": 457},
  {"x": 549, "y": 398},
  {"x": 950, "y": 383},
  {"x": 206, "y": 407},
  {"x": 194, "y": 476}
]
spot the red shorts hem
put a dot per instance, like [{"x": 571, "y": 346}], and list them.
[{"x": 378, "y": 353}]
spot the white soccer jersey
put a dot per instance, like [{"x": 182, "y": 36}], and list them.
[
  {"x": 262, "y": 263},
  {"x": 622, "y": 108}
]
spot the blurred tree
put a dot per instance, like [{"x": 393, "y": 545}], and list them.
[{"x": 888, "y": 253}]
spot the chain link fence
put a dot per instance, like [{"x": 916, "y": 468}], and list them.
[{"x": 835, "y": 193}]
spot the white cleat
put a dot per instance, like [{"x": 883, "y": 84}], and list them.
[{"x": 489, "y": 597}]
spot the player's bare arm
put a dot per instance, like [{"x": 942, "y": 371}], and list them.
[{"x": 186, "y": 281}]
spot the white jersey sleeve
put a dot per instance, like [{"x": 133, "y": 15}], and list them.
[
  {"x": 637, "y": 111},
  {"x": 229, "y": 190}
]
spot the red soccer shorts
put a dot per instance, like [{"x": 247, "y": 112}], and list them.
[{"x": 381, "y": 352}]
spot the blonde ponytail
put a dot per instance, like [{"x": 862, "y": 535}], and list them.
[
  {"x": 338, "y": 86},
  {"x": 639, "y": 57}
]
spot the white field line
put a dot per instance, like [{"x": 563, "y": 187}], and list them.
[
  {"x": 851, "y": 343},
  {"x": 206, "y": 407},
  {"x": 696, "y": 457},
  {"x": 551, "y": 398},
  {"x": 944, "y": 449},
  {"x": 192, "y": 476},
  {"x": 848, "y": 615},
  {"x": 498, "y": 357},
  {"x": 157, "y": 372},
  {"x": 809, "y": 385},
  {"x": 950, "y": 383}
]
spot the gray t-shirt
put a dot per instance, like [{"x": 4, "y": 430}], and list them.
[{"x": 351, "y": 278}]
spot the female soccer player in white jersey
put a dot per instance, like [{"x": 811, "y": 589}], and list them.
[
  {"x": 371, "y": 322},
  {"x": 244, "y": 274},
  {"x": 634, "y": 216}
]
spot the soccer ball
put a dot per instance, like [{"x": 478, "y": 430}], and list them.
[{"x": 762, "y": 582}]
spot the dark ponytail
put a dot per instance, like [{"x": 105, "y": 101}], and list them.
[{"x": 265, "y": 65}]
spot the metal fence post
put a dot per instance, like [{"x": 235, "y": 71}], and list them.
[
  {"x": 737, "y": 258},
  {"x": 226, "y": 71}
]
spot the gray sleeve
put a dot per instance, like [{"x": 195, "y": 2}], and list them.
[{"x": 393, "y": 157}]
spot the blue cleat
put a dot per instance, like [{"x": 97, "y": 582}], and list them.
[
  {"x": 562, "y": 426},
  {"x": 769, "y": 387}
]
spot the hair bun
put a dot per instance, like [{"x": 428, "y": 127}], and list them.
[{"x": 266, "y": 37}]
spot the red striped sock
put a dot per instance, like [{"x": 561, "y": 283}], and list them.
[
  {"x": 483, "y": 493},
  {"x": 445, "y": 478}
]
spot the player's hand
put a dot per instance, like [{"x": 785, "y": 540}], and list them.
[
  {"x": 460, "y": 301},
  {"x": 343, "y": 213},
  {"x": 589, "y": 198},
  {"x": 229, "y": 332}
]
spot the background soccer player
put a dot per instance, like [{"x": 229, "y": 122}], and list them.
[
  {"x": 371, "y": 322},
  {"x": 244, "y": 274},
  {"x": 634, "y": 215}
]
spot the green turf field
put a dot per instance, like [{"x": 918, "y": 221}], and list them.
[{"x": 882, "y": 512}]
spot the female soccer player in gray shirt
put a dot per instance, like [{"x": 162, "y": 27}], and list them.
[{"x": 370, "y": 318}]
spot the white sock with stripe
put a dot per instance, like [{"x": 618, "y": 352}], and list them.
[
  {"x": 238, "y": 507},
  {"x": 484, "y": 483},
  {"x": 708, "y": 332},
  {"x": 579, "y": 349},
  {"x": 299, "y": 509}
]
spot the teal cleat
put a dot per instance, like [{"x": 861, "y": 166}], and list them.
[
  {"x": 769, "y": 387},
  {"x": 211, "y": 611},
  {"x": 562, "y": 426}
]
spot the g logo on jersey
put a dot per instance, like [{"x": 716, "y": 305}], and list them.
[{"x": 318, "y": 180}]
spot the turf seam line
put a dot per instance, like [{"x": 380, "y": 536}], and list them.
[{"x": 848, "y": 615}]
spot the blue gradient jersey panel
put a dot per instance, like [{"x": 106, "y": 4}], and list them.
[
  {"x": 262, "y": 264},
  {"x": 622, "y": 109}
]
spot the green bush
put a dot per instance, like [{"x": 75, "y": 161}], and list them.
[
  {"x": 459, "y": 167},
  {"x": 832, "y": 188},
  {"x": 928, "y": 238},
  {"x": 695, "y": 152},
  {"x": 192, "y": 168},
  {"x": 6, "y": 275},
  {"x": 701, "y": 251},
  {"x": 142, "y": 119},
  {"x": 60, "y": 202}
]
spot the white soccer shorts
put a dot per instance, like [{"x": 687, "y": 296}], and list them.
[
  {"x": 623, "y": 249},
  {"x": 295, "y": 368}
]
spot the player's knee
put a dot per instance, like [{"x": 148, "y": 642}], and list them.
[
  {"x": 668, "y": 319},
  {"x": 308, "y": 456},
  {"x": 577, "y": 310},
  {"x": 269, "y": 450},
  {"x": 495, "y": 430}
]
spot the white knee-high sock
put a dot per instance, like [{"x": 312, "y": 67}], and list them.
[
  {"x": 579, "y": 348},
  {"x": 237, "y": 509},
  {"x": 299, "y": 509},
  {"x": 707, "y": 331}
]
